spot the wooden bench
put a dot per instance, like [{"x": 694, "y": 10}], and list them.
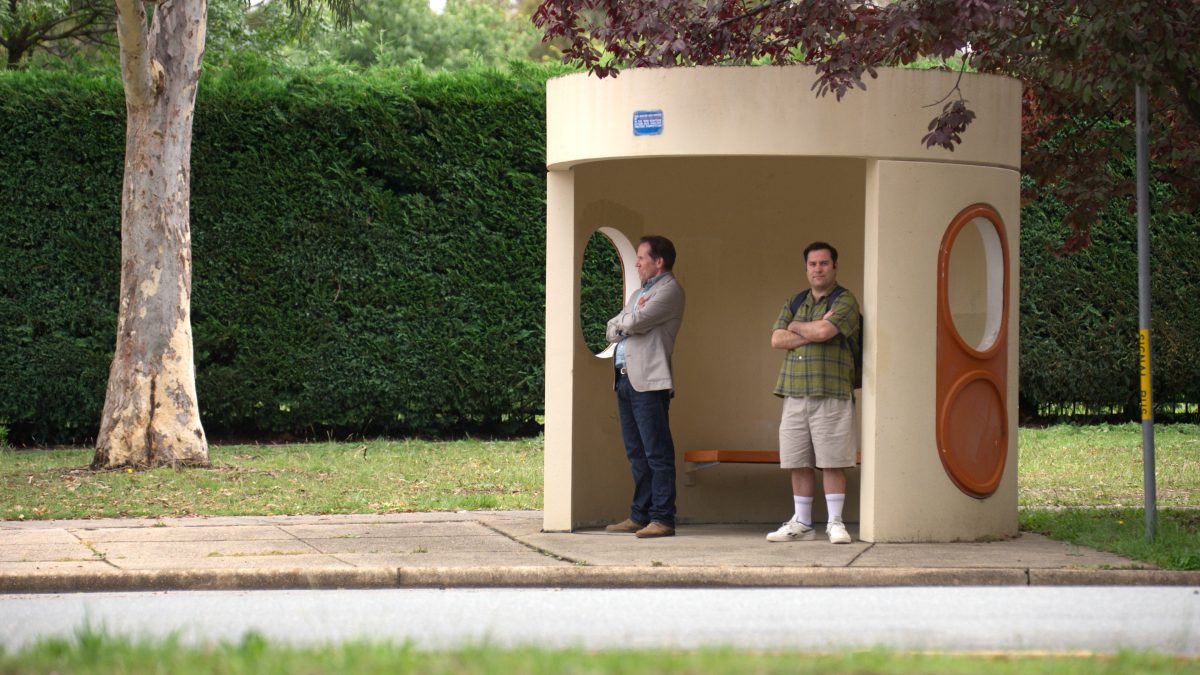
[{"x": 695, "y": 460}]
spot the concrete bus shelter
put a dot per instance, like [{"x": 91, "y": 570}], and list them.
[{"x": 742, "y": 168}]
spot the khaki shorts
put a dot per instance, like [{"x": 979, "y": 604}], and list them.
[{"x": 817, "y": 432}]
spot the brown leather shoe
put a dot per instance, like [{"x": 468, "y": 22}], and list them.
[
  {"x": 655, "y": 529},
  {"x": 627, "y": 526}
]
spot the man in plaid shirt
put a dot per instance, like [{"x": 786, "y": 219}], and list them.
[{"x": 816, "y": 384}]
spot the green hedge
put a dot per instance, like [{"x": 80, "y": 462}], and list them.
[
  {"x": 60, "y": 187},
  {"x": 369, "y": 251},
  {"x": 1079, "y": 314},
  {"x": 369, "y": 258}
]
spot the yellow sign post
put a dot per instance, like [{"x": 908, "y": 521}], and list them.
[{"x": 1147, "y": 404}]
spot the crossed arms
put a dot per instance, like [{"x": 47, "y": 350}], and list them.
[
  {"x": 661, "y": 306},
  {"x": 800, "y": 333}
]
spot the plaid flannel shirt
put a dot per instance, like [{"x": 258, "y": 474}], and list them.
[{"x": 819, "y": 369}]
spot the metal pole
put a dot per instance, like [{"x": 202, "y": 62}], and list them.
[{"x": 1143, "y": 239}]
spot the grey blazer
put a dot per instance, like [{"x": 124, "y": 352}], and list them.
[{"x": 650, "y": 330}]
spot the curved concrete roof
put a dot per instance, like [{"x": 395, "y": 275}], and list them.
[{"x": 774, "y": 111}]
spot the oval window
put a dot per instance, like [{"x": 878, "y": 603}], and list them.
[
  {"x": 972, "y": 354},
  {"x": 975, "y": 284}
]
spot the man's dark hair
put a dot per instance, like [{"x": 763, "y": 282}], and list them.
[
  {"x": 661, "y": 248},
  {"x": 818, "y": 246}
]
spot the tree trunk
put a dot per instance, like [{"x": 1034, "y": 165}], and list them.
[
  {"x": 15, "y": 48},
  {"x": 13, "y": 59},
  {"x": 151, "y": 416}
]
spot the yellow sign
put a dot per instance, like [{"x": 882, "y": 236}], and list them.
[{"x": 1144, "y": 361}]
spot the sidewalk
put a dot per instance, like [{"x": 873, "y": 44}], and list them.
[{"x": 508, "y": 549}]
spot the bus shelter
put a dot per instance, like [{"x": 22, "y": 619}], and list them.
[{"x": 742, "y": 168}]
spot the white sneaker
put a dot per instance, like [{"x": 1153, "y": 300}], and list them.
[
  {"x": 837, "y": 532},
  {"x": 793, "y": 530}
]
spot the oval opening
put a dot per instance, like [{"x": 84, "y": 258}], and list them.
[
  {"x": 975, "y": 284},
  {"x": 606, "y": 274}
]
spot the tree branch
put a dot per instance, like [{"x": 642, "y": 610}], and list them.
[
  {"x": 956, "y": 87},
  {"x": 754, "y": 12},
  {"x": 83, "y": 21}
]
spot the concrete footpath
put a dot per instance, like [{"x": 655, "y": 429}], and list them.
[{"x": 508, "y": 549}]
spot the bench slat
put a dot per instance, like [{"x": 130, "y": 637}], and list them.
[
  {"x": 740, "y": 456},
  {"x": 733, "y": 456}
]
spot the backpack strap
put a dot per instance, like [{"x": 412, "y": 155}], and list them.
[
  {"x": 803, "y": 295},
  {"x": 798, "y": 300},
  {"x": 833, "y": 296}
]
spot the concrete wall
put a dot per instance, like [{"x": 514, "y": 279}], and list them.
[{"x": 906, "y": 494}]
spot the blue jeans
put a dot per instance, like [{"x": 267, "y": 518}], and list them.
[{"x": 647, "y": 434}]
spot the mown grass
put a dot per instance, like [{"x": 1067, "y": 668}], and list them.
[
  {"x": 311, "y": 478},
  {"x": 1101, "y": 465},
  {"x": 94, "y": 653},
  {"x": 1084, "y": 485}
]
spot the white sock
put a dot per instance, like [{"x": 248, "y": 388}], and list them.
[
  {"x": 803, "y": 509},
  {"x": 834, "y": 504}
]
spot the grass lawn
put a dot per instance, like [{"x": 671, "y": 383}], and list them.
[
  {"x": 1123, "y": 531},
  {"x": 1084, "y": 485},
  {"x": 97, "y": 654},
  {"x": 310, "y": 478},
  {"x": 1080, "y": 484},
  {"x": 1101, "y": 465}
]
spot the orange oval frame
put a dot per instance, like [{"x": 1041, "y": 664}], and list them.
[{"x": 972, "y": 423}]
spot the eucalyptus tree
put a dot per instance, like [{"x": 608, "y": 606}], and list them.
[{"x": 151, "y": 415}]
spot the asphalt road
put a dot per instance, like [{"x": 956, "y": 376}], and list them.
[{"x": 1054, "y": 619}]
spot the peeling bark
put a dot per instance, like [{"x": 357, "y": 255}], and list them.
[{"x": 151, "y": 415}]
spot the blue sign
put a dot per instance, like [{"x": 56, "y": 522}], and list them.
[{"x": 647, "y": 122}]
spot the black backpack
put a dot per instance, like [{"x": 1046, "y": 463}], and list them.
[{"x": 855, "y": 343}]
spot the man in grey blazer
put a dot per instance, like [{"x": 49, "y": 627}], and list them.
[{"x": 645, "y": 333}]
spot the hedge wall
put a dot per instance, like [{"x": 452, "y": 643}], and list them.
[
  {"x": 60, "y": 191},
  {"x": 369, "y": 259},
  {"x": 369, "y": 251},
  {"x": 1079, "y": 314}
]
